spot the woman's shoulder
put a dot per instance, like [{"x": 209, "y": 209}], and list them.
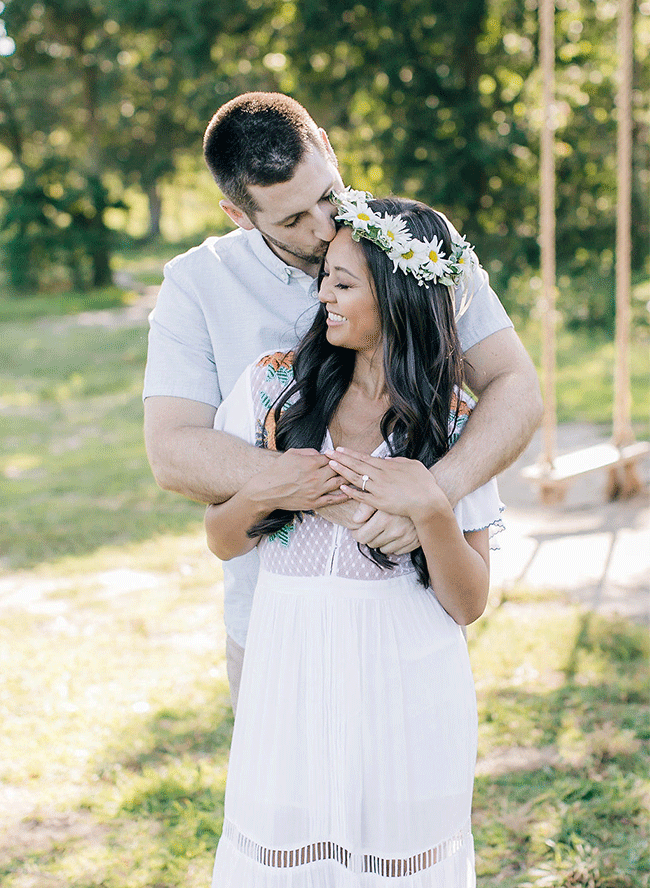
[
  {"x": 460, "y": 411},
  {"x": 276, "y": 360},
  {"x": 270, "y": 375},
  {"x": 272, "y": 366}
]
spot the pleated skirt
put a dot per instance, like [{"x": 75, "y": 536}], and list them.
[{"x": 353, "y": 752}]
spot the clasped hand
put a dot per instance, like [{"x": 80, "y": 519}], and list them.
[
  {"x": 298, "y": 480},
  {"x": 305, "y": 480},
  {"x": 398, "y": 486}
]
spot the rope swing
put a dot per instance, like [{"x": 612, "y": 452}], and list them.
[
  {"x": 551, "y": 473},
  {"x": 624, "y": 480}
]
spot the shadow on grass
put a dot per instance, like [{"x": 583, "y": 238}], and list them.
[
  {"x": 566, "y": 802},
  {"x": 174, "y": 734},
  {"x": 155, "y": 812}
]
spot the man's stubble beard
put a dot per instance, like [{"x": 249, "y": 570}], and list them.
[{"x": 311, "y": 258}]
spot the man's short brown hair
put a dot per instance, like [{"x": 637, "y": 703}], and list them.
[{"x": 257, "y": 138}]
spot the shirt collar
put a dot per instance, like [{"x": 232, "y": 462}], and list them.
[{"x": 277, "y": 267}]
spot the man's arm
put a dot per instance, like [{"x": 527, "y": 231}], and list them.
[
  {"x": 499, "y": 371},
  {"x": 187, "y": 455}
]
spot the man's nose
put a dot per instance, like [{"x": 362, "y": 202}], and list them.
[{"x": 324, "y": 226}]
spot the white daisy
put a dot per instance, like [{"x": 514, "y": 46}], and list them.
[
  {"x": 359, "y": 215},
  {"x": 407, "y": 260},
  {"x": 462, "y": 254},
  {"x": 431, "y": 257},
  {"x": 394, "y": 233}
]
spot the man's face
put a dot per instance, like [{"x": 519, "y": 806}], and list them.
[{"x": 296, "y": 217}]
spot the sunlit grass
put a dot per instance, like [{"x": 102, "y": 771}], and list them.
[
  {"x": 585, "y": 373},
  {"x": 562, "y": 788},
  {"x": 31, "y": 306},
  {"x": 116, "y": 720},
  {"x": 74, "y": 473}
]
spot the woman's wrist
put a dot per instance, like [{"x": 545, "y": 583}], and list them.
[
  {"x": 432, "y": 506},
  {"x": 438, "y": 519}
]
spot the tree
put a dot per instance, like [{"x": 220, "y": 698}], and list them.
[
  {"x": 440, "y": 100},
  {"x": 113, "y": 94}
]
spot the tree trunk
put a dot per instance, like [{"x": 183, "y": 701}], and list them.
[
  {"x": 155, "y": 209},
  {"x": 101, "y": 266}
]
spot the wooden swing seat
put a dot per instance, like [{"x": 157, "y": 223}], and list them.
[{"x": 554, "y": 480}]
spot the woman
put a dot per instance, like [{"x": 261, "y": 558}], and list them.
[{"x": 355, "y": 740}]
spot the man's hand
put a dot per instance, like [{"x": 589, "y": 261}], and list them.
[
  {"x": 345, "y": 514},
  {"x": 393, "y": 534},
  {"x": 300, "y": 480}
]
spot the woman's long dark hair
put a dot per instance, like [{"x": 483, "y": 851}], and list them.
[{"x": 422, "y": 365}]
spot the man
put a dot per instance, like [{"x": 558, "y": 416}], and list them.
[{"x": 226, "y": 301}]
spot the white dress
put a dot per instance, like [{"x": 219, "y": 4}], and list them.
[{"x": 353, "y": 752}]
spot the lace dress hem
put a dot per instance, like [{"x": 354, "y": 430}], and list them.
[{"x": 359, "y": 864}]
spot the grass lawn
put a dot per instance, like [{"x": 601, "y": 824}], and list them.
[
  {"x": 113, "y": 694},
  {"x": 585, "y": 374}
]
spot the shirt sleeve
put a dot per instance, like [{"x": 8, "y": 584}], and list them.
[
  {"x": 482, "y": 507},
  {"x": 235, "y": 414},
  {"x": 479, "y": 311},
  {"x": 180, "y": 358}
]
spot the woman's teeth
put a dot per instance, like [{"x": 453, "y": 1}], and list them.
[{"x": 335, "y": 317}]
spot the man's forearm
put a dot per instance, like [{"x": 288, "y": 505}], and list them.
[
  {"x": 497, "y": 432},
  {"x": 205, "y": 464}
]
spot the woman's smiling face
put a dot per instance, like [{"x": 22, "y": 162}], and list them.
[{"x": 347, "y": 292}]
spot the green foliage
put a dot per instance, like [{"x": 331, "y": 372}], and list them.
[
  {"x": 437, "y": 100},
  {"x": 113, "y": 94},
  {"x": 56, "y": 218},
  {"x": 446, "y": 108}
]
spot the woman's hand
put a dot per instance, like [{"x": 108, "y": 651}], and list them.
[
  {"x": 299, "y": 480},
  {"x": 396, "y": 485},
  {"x": 458, "y": 563}
]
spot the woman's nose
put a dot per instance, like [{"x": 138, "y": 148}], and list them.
[{"x": 324, "y": 293}]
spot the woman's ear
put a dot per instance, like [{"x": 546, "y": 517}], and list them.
[{"x": 238, "y": 216}]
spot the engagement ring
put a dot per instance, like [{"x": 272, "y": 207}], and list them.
[{"x": 365, "y": 479}]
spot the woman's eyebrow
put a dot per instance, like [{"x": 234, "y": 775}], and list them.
[{"x": 347, "y": 271}]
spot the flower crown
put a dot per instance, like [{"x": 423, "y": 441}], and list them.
[{"x": 425, "y": 260}]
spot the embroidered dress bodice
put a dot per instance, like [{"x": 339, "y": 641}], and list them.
[{"x": 314, "y": 546}]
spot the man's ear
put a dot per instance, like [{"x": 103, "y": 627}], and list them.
[
  {"x": 238, "y": 216},
  {"x": 328, "y": 147}
]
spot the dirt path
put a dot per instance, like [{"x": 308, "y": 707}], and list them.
[{"x": 595, "y": 552}]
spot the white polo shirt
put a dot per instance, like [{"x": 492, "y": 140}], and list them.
[{"x": 220, "y": 306}]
